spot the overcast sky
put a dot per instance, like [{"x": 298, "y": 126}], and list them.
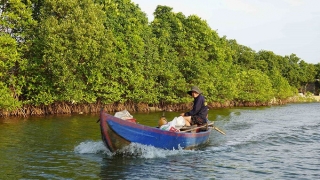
[{"x": 281, "y": 26}]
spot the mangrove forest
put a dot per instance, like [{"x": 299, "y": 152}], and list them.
[{"x": 76, "y": 56}]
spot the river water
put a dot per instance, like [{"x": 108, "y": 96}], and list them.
[{"x": 278, "y": 142}]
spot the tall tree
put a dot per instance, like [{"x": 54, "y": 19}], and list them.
[
  {"x": 254, "y": 86},
  {"x": 291, "y": 72},
  {"x": 66, "y": 52},
  {"x": 16, "y": 24},
  {"x": 170, "y": 82},
  {"x": 280, "y": 85},
  {"x": 307, "y": 74},
  {"x": 134, "y": 45}
]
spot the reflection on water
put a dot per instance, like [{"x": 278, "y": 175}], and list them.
[{"x": 278, "y": 142}]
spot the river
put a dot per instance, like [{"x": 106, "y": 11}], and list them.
[{"x": 277, "y": 142}]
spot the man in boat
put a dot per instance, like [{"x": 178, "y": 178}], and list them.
[{"x": 199, "y": 113}]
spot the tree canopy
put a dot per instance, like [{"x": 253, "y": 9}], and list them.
[{"x": 106, "y": 51}]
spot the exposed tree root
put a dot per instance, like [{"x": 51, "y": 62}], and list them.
[{"x": 69, "y": 108}]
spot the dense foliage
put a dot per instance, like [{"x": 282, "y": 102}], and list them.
[{"x": 106, "y": 51}]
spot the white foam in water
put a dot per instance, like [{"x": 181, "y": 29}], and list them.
[
  {"x": 149, "y": 152},
  {"x": 133, "y": 150},
  {"x": 220, "y": 148},
  {"x": 91, "y": 147}
]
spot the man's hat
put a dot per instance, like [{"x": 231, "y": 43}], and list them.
[{"x": 194, "y": 89}]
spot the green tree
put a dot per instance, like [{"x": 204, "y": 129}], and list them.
[
  {"x": 16, "y": 25},
  {"x": 133, "y": 40},
  {"x": 307, "y": 73},
  {"x": 219, "y": 73},
  {"x": 7, "y": 100},
  {"x": 243, "y": 56},
  {"x": 254, "y": 86},
  {"x": 170, "y": 82},
  {"x": 291, "y": 71},
  {"x": 317, "y": 69},
  {"x": 280, "y": 85},
  {"x": 317, "y": 78},
  {"x": 195, "y": 47},
  {"x": 66, "y": 52}
]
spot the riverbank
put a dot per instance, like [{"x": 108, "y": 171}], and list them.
[
  {"x": 69, "y": 108},
  {"x": 317, "y": 98}
]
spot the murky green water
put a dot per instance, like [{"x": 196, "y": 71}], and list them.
[{"x": 280, "y": 142}]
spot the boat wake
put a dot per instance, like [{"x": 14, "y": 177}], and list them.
[
  {"x": 133, "y": 150},
  {"x": 91, "y": 147},
  {"x": 149, "y": 152}
]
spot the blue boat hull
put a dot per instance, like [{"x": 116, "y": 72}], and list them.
[{"x": 117, "y": 133}]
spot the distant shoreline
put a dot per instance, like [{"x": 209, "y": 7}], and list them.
[
  {"x": 65, "y": 108},
  {"x": 317, "y": 98}
]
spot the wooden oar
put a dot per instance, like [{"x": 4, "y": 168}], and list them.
[
  {"x": 197, "y": 127},
  {"x": 215, "y": 128}
]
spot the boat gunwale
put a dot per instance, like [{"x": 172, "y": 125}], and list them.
[
  {"x": 106, "y": 118},
  {"x": 155, "y": 129}
]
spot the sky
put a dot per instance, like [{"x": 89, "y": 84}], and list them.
[{"x": 282, "y": 26}]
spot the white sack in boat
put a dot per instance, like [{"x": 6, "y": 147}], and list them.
[
  {"x": 123, "y": 115},
  {"x": 178, "y": 122},
  {"x": 175, "y": 125}
]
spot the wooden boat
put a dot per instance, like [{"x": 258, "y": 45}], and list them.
[{"x": 117, "y": 133}]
